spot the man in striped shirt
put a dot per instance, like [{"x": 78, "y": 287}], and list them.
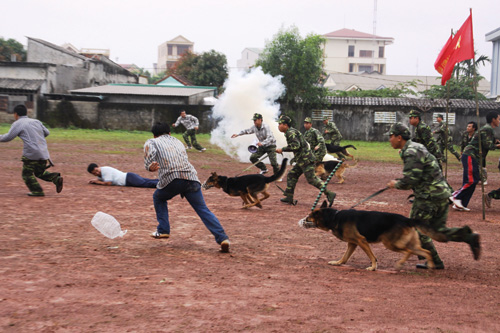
[
  {"x": 176, "y": 175},
  {"x": 36, "y": 158},
  {"x": 191, "y": 124}
]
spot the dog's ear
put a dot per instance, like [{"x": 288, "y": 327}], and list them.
[{"x": 325, "y": 204}]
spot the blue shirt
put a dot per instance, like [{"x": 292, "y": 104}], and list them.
[{"x": 33, "y": 134}]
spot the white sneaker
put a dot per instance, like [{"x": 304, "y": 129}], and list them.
[
  {"x": 463, "y": 209},
  {"x": 189, "y": 147},
  {"x": 279, "y": 180},
  {"x": 202, "y": 150},
  {"x": 263, "y": 171},
  {"x": 457, "y": 202}
]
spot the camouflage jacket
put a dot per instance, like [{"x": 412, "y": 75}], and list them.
[
  {"x": 296, "y": 144},
  {"x": 465, "y": 140},
  {"x": 422, "y": 174},
  {"x": 487, "y": 142},
  {"x": 315, "y": 139},
  {"x": 424, "y": 136},
  {"x": 441, "y": 136},
  {"x": 189, "y": 122},
  {"x": 331, "y": 133}
]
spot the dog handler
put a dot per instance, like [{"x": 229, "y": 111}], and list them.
[
  {"x": 36, "y": 158},
  {"x": 315, "y": 139},
  {"x": 422, "y": 174},
  {"x": 266, "y": 144},
  {"x": 304, "y": 161},
  {"x": 332, "y": 134},
  {"x": 177, "y": 176}
]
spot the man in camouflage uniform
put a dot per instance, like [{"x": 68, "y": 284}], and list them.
[
  {"x": 191, "y": 124},
  {"x": 493, "y": 194},
  {"x": 315, "y": 140},
  {"x": 423, "y": 135},
  {"x": 467, "y": 135},
  {"x": 36, "y": 158},
  {"x": 422, "y": 174},
  {"x": 470, "y": 161},
  {"x": 304, "y": 161},
  {"x": 332, "y": 134},
  {"x": 441, "y": 138},
  {"x": 266, "y": 144}
]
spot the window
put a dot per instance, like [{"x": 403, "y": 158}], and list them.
[
  {"x": 365, "y": 68},
  {"x": 170, "y": 49},
  {"x": 181, "y": 49},
  {"x": 319, "y": 114},
  {"x": 350, "y": 53},
  {"x": 385, "y": 117},
  {"x": 365, "y": 54},
  {"x": 381, "y": 50},
  {"x": 351, "y": 68},
  {"x": 381, "y": 69},
  {"x": 451, "y": 117}
]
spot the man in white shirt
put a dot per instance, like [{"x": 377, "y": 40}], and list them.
[
  {"x": 111, "y": 176},
  {"x": 191, "y": 124}
]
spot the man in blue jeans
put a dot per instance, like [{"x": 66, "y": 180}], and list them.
[{"x": 176, "y": 176}]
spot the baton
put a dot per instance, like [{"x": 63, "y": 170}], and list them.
[
  {"x": 263, "y": 157},
  {"x": 371, "y": 196}
]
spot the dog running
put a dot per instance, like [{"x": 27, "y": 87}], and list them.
[
  {"x": 339, "y": 149},
  {"x": 359, "y": 228},
  {"x": 247, "y": 187},
  {"x": 323, "y": 169}
]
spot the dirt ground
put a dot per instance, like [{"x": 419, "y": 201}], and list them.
[{"x": 59, "y": 274}]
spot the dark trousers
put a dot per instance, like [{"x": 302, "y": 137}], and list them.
[
  {"x": 470, "y": 179},
  {"x": 135, "y": 180},
  {"x": 38, "y": 169}
]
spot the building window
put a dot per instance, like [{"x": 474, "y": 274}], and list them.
[
  {"x": 181, "y": 49},
  {"x": 319, "y": 114},
  {"x": 381, "y": 69},
  {"x": 350, "y": 53},
  {"x": 365, "y": 68},
  {"x": 381, "y": 50},
  {"x": 365, "y": 54},
  {"x": 351, "y": 68},
  {"x": 170, "y": 49},
  {"x": 385, "y": 117},
  {"x": 451, "y": 117}
]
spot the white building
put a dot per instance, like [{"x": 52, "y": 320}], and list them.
[
  {"x": 494, "y": 37},
  {"x": 170, "y": 52},
  {"x": 248, "y": 57},
  {"x": 350, "y": 51}
]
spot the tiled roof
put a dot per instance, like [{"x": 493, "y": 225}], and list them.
[
  {"x": 20, "y": 84},
  {"x": 411, "y": 102},
  {"x": 142, "y": 89},
  {"x": 351, "y": 33}
]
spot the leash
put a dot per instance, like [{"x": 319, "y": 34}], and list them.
[
  {"x": 323, "y": 188},
  {"x": 260, "y": 160},
  {"x": 371, "y": 196}
]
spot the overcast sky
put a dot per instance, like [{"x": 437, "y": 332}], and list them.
[{"x": 132, "y": 30}]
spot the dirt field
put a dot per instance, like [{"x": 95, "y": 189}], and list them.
[{"x": 59, "y": 274}]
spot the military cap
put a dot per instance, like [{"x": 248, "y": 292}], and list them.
[
  {"x": 285, "y": 120},
  {"x": 414, "y": 113},
  {"x": 257, "y": 116},
  {"x": 327, "y": 117},
  {"x": 440, "y": 116},
  {"x": 399, "y": 129},
  {"x": 308, "y": 120}
]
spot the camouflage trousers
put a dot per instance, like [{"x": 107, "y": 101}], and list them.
[
  {"x": 271, "y": 153},
  {"x": 451, "y": 149},
  {"x": 190, "y": 138},
  {"x": 32, "y": 169},
  {"x": 435, "y": 213},
  {"x": 296, "y": 172}
]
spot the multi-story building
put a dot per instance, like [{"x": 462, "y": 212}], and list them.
[
  {"x": 494, "y": 37},
  {"x": 170, "y": 52},
  {"x": 349, "y": 51},
  {"x": 248, "y": 57}
]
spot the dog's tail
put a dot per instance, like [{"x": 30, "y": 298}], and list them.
[
  {"x": 280, "y": 173},
  {"x": 428, "y": 231},
  {"x": 349, "y": 146}
]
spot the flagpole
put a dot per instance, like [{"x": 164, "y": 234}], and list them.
[
  {"x": 481, "y": 158},
  {"x": 446, "y": 131}
]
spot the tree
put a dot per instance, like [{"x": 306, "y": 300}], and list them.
[
  {"x": 210, "y": 69},
  {"x": 11, "y": 47},
  {"x": 184, "y": 65},
  {"x": 299, "y": 61}
]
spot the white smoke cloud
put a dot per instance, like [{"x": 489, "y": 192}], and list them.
[{"x": 246, "y": 94}]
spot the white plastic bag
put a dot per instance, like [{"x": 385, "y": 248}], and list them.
[{"x": 107, "y": 225}]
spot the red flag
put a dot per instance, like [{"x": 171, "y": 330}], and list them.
[
  {"x": 444, "y": 56},
  {"x": 462, "y": 48}
]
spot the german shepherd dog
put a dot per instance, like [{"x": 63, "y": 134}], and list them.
[
  {"x": 357, "y": 227},
  {"x": 247, "y": 187},
  {"x": 323, "y": 169},
  {"x": 339, "y": 149}
]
